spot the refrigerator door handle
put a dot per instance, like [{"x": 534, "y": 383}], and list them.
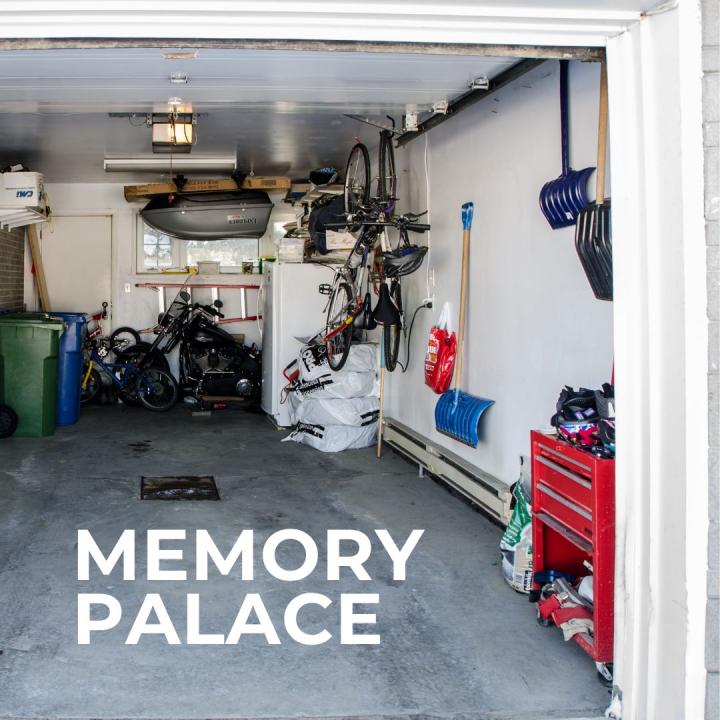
[{"x": 258, "y": 312}]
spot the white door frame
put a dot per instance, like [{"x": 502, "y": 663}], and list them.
[{"x": 661, "y": 366}]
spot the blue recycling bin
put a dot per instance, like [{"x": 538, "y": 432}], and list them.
[{"x": 70, "y": 365}]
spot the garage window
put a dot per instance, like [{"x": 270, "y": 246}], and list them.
[{"x": 157, "y": 251}]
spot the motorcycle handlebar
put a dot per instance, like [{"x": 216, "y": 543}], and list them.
[{"x": 211, "y": 310}]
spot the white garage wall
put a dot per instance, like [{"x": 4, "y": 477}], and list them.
[
  {"x": 139, "y": 307},
  {"x": 533, "y": 323}
]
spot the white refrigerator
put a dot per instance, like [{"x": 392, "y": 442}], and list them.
[{"x": 292, "y": 308}]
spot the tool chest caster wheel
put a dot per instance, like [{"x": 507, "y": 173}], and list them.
[
  {"x": 605, "y": 673},
  {"x": 542, "y": 621}
]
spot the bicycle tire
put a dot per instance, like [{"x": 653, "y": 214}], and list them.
[
  {"x": 115, "y": 345},
  {"x": 91, "y": 388},
  {"x": 8, "y": 421},
  {"x": 392, "y": 333},
  {"x": 387, "y": 178},
  {"x": 156, "y": 390},
  {"x": 339, "y": 307},
  {"x": 357, "y": 179}
]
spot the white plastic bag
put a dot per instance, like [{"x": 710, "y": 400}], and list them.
[
  {"x": 352, "y": 411},
  {"x": 335, "y": 385},
  {"x": 333, "y": 438},
  {"x": 312, "y": 360}
]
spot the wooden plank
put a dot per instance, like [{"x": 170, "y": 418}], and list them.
[
  {"x": 546, "y": 52},
  {"x": 140, "y": 192},
  {"x": 34, "y": 244}
]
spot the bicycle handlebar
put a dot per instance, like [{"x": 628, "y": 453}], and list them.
[{"x": 403, "y": 222}]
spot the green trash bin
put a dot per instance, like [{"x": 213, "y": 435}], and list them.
[{"x": 28, "y": 370}]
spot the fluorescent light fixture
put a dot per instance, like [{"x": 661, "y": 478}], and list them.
[{"x": 147, "y": 163}]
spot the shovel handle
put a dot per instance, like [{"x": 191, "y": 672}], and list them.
[
  {"x": 468, "y": 209},
  {"x": 467, "y": 217},
  {"x": 602, "y": 136},
  {"x": 564, "y": 121}
]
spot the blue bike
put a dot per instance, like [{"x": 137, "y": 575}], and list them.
[{"x": 136, "y": 384}]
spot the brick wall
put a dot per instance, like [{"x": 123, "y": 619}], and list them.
[
  {"x": 711, "y": 128},
  {"x": 12, "y": 268}
]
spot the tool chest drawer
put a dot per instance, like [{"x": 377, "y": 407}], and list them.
[
  {"x": 564, "y": 510},
  {"x": 565, "y": 480},
  {"x": 573, "y": 527}
]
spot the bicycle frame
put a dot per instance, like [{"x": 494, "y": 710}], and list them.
[
  {"x": 110, "y": 369},
  {"x": 357, "y": 277}
]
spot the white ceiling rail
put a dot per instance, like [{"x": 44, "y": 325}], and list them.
[
  {"x": 542, "y": 23},
  {"x": 11, "y": 218}
]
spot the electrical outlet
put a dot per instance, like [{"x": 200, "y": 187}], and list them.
[{"x": 128, "y": 287}]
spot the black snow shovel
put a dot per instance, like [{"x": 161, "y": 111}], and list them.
[{"x": 593, "y": 235}]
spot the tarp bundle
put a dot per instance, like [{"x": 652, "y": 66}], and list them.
[{"x": 334, "y": 410}]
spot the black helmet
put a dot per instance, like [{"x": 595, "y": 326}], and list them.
[
  {"x": 323, "y": 176},
  {"x": 404, "y": 260}
]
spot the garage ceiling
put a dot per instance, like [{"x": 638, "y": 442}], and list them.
[{"x": 282, "y": 112}]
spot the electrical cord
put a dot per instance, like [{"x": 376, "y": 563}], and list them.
[{"x": 405, "y": 367}]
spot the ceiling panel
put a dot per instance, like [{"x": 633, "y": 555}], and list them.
[
  {"x": 280, "y": 111},
  {"x": 135, "y": 79}
]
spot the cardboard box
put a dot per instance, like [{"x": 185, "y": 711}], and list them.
[
  {"x": 339, "y": 240},
  {"x": 141, "y": 192},
  {"x": 21, "y": 190}
]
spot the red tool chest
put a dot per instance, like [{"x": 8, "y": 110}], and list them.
[{"x": 573, "y": 508}]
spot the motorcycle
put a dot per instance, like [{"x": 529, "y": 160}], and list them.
[{"x": 212, "y": 363}]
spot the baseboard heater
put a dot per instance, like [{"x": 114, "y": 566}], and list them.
[{"x": 484, "y": 490}]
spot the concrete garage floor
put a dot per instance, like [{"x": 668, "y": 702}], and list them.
[{"x": 455, "y": 640}]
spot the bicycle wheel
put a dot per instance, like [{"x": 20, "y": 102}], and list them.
[
  {"x": 156, "y": 390},
  {"x": 339, "y": 308},
  {"x": 357, "y": 179},
  {"x": 123, "y": 338},
  {"x": 90, "y": 387},
  {"x": 387, "y": 179},
  {"x": 392, "y": 333}
]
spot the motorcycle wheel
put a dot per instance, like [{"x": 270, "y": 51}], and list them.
[{"x": 156, "y": 390}]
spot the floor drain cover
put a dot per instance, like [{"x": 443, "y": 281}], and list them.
[{"x": 179, "y": 487}]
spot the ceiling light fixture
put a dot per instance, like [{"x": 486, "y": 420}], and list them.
[
  {"x": 173, "y": 132},
  {"x": 147, "y": 163}
]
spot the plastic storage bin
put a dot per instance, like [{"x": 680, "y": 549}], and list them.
[
  {"x": 291, "y": 250},
  {"x": 28, "y": 370},
  {"x": 70, "y": 365}
]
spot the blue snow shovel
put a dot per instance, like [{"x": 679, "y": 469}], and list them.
[
  {"x": 562, "y": 199},
  {"x": 457, "y": 413}
]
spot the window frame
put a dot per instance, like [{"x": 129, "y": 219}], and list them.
[{"x": 178, "y": 251}]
